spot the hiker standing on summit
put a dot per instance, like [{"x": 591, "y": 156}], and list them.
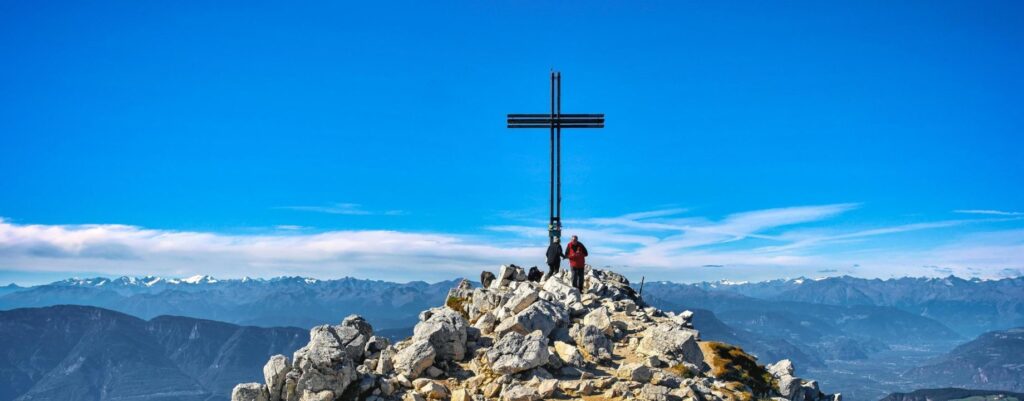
[
  {"x": 576, "y": 253},
  {"x": 555, "y": 256}
]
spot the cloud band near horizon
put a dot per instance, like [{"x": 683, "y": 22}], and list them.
[{"x": 661, "y": 244}]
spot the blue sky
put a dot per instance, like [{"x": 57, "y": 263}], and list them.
[{"x": 744, "y": 141}]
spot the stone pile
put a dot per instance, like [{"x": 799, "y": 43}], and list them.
[{"x": 517, "y": 340}]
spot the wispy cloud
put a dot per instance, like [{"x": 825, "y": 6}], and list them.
[
  {"x": 660, "y": 244},
  {"x": 351, "y": 209},
  {"x": 692, "y": 233},
  {"x": 120, "y": 249},
  {"x": 824, "y": 239},
  {"x": 989, "y": 212}
]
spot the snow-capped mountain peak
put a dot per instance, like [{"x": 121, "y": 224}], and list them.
[{"x": 199, "y": 278}]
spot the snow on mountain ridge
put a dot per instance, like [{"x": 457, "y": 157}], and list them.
[{"x": 199, "y": 278}]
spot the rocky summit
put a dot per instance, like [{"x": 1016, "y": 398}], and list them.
[{"x": 518, "y": 340}]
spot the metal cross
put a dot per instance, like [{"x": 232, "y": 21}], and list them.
[{"x": 555, "y": 121}]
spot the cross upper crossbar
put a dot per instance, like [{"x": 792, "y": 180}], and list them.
[{"x": 559, "y": 120}]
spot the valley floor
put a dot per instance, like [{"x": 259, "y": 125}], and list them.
[{"x": 874, "y": 378}]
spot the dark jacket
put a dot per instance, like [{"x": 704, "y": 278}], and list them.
[
  {"x": 555, "y": 254},
  {"x": 576, "y": 253}
]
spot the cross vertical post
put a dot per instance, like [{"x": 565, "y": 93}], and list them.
[{"x": 554, "y": 122}]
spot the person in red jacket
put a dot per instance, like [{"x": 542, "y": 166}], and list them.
[{"x": 576, "y": 253}]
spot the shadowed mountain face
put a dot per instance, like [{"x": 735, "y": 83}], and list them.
[
  {"x": 954, "y": 394},
  {"x": 860, "y": 350},
  {"x": 87, "y": 353},
  {"x": 994, "y": 360},
  {"x": 970, "y": 307},
  {"x": 7, "y": 289},
  {"x": 837, "y": 332},
  {"x": 284, "y": 301}
]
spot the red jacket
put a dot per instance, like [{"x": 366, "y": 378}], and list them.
[{"x": 576, "y": 253}]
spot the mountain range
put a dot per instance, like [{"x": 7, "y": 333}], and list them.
[
  {"x": 968, "y": 306},
  {"x": 864, "y": 337},
  {"x": 283, "y": 301},
  {"x": 88, "y": 353}
]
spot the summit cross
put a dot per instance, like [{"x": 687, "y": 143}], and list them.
[{"x": 555, "y": 121}]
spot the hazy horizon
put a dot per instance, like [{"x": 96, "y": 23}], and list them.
[{"x": 6, "y": 278}]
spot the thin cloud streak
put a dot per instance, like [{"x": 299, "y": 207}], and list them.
[
  {"x": 807, "y": 242},
  {"x": 989, "y": 212},
  {"x": 350, "y": 209},
  {"x": 661, "y": 244}
]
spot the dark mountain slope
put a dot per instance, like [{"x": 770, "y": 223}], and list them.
[
  {"x": 953, "y": 394},
  {"x": 968, "y": 306},
  {"x": 994, "y": 360},
  {"x": 88, "y": 353},
  {"x": 283, "y": 301}
]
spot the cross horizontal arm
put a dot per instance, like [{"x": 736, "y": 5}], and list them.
[
  {"x": 546, "y": 115},
  {"x": 562, "y": 120},
  {"x": 556, "y": 120},
  {"x": 561, "y": 126}
]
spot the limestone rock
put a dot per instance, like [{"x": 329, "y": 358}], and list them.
[
  {"x": 789, "y": 386},
  {"x": 650, "y": 392},
  {"x": 492, "y": 390},
  {"x": 671, "y": 343},
  {"x": 569, "y": 354},
  {"x": 385, "y": 363},
  {"x": 375, "y": 345},
  {"x": 601, "y": 319},
  {"x": 432, "y": 390},
  {"x": 507, "y": 275},
  {"x": 541, "y": 315},
  {"x": 523, "y": 297},
  {"x": 515, "y": 353},
  {"x": 410, "y": 396},
  {"x": 486, "y": 323},
  {"x": 520, "y": 393},
  {"x": 594, "y": 345},
  {"x": 434, "y": 372},
  {"x": 634, "y": 372},
  {"x": 415, "y": 358},
  {"x": 250, "y": 392},
  {"x": 781, "y": 368},
  {"x": 586, "y": 388},
  {"x": 547, "y": 388},
  {"x": 274, "y": 374},
  {"x": 481, "y": 301},
  {"x": 445, "y": 329},
  {"x": 461, "y": 395},
  {"x": 327, "y": 362},
  {"x": 563, "y": 293}
]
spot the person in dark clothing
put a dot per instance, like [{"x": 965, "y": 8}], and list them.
[
  {"x": 555, "y": 256},
  {"x": 576, "y": 253},
  {"x": 535, "y": 275},
  {"x": 486, "y": 278}
]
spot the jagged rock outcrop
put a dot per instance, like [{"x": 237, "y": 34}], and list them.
[
  {"x": 274, "y": 375},
  {"x": 518, "y": 340},
  {"x": 515, "y": 353},
  {"x": 795, "y": 388},
  {"x": 250, "y": 392},
  {"x": 445, "y": 329}
]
